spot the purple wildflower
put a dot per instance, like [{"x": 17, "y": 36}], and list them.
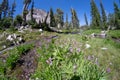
[
  {"x": 108, "y": 70},
  {"x": 78, "y": 50},
  {"x": 71, "y": 49},
  {"x": 89, "y": 57},
  {"x": 96, "y": 61}
]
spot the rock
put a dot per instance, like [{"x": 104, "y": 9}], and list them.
[
  {"x": 15, "y": 36},
  {"x": 93, "y": 35},
  {"x": 87, "y": 46},
  {"x": 39, "y": 15},
  {"x": 104, "y": 48},
  {"x": 103, "y": 34},
  {"x": 10, "y": 38},
  {"x": 21, "y": 31},
  {"x": 4, "y": 46},
  {"x": 40, "y": 30}
]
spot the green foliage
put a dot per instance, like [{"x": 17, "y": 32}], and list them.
[
  {"x": 58, "y": 63},
  {"x": 15, "y": 55},
  {"x": 18, "y": 20},
  {"x": 59, "y": 17},
  {"x": 34, "y": 24},
  {"x": 13, "y": 8},
  {"x": 114, "y": 34},
  {"x": 5, "y": 23},
  {"x": 88, "y": 32},
  {"x": 75, "y": 20},
  {"x": 104, "y": 17},
  {"x": 111, "y": 20},
  {"x": 96, "y": 21},
  {"x": 52, "y": 19},
  {"x": 117, "y": 16}
]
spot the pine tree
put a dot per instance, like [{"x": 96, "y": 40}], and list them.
[
  {"x": 67, "y": 23},
  {"x": 52, "y": 19},
  {"x": 104, "y": 17},
  {"x": 32, "y": 9},
  {"x": 117, "y": 16},
  {"x": 5, "y": 7},
  {"x": 25, "y": 9},
  {"x": 0, "y": 11},
  {"x": 59, "y": 17},
  {"x": 111, "y": 20},
  {"x": 13, "y": 8},
  {"x": 86, "y": 20},
  {"x": 75, "y": 20},
  {"x": 96, "y": 21}
]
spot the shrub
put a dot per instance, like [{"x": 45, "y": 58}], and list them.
[{"x": 18, "y": 20}]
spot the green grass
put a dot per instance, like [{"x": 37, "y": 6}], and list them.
[
  {"x": 13, "y": 56},
  {"x": 114, "y": 33},
  {"x": 69, "y": 50},
  {"x": 57, "y": 62},
  {"x": 107, "y": 59}
]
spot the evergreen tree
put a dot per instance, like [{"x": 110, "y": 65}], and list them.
[
  {"x": 67, "y": 23},
  {"x": 5, "y": 7},
  {"x": 13, "y": 8},
  {"x": 32, "y": 9},
  {"x": 59, "y": 17},
  {"x": 75, "y": 20},
  {"x": 96, "y": 21},
  {"x": 86, "y": 20},
  {"x": 111, "y": 20},
  {"x": 52, "y": 19},
  {"x": 25, "y": 9},
  {"x": 0, "y": 11},
  {"x": 117, "y": 16},
  {"x": 104, "y": 17}
]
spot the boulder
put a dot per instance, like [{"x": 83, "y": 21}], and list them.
[
  {"x": 39, "y": 15},
  {"x": 87, "y": 46},
  {"x": 10, "y": 38}
]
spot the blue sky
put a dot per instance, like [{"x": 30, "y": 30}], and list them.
[{"x": 81, "y": 6}]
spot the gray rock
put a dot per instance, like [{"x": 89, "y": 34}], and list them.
[{"x": 38, "y": 15}]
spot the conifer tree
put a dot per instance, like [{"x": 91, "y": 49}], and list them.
[
  {"x": 86, "y": 20},
  {"x": 13, "y": 8},
  {"x": 117, "y": 16},
  {"x": 52, "y": 19},
  {"x": 96, "y": 21},
  {"x": 59, "y": 17},
  {"x": 5, "y": 7},
  {"x": 104, "y": 17},
  {"x": 75, "y": 20},
  {"x": 67, "y": 23},
  {"x": 25, "y": 9},
  {"x": 0, "y": 11},
  {"x": 32, "y": 9}
]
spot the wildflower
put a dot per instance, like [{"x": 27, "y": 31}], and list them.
[
  {"x": 108, "y": 70},
  {"x": 49, "y": 61},
  {"x": 89, "y": 57},
  {"x": 110, "y": 63},
  {"x": 78, "y": 50},
  {"x": 75, "y": 67},
  {"x": 96, "y": 61},
  {"x": 71, "y": 49}
]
